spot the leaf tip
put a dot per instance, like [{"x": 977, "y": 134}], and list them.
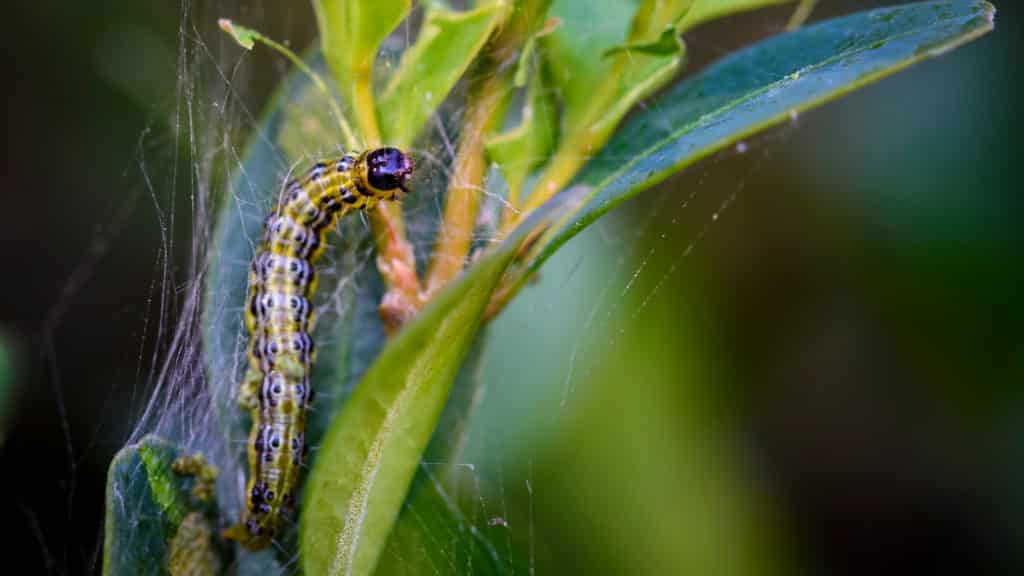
[{"x": 243, "y": 36}]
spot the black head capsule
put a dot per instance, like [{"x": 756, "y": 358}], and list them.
[{"x": 388, "y": 170}]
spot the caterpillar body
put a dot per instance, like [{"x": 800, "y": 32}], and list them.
[{"x": 279, "y": 317}]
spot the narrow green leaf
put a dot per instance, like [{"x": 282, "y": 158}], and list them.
[
  {"x": 371, "y": 452},
  {"x": 666, "y": 45},
  {"x": 523, "y": 64},
  {"x": 447, "y": 43},
  {"x": 426, "y": 533},
  {"x": 654, "y": 16},
  {"x": 653, "y": 54},
  {"x": 596, "y": 91},
  {"x": 523, "y": 148},
  {"x": 647, "y": 71},
  {"x": 706, "y": 10},
  {"x": 440, "y": 532},
  {"x": 650, "y": 43},
  {"x": 574, "y": 52},
  {"x": 527, "y": 20},
  {"x": 351, "y": 32},
  {"x": 762, "y": 86}
]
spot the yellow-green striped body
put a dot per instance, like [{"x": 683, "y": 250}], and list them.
[{"x": 279, "y": 318}]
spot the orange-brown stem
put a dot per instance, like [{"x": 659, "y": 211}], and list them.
[
  {"x": 462, "y": 204},
  {"x": 397, "y": 265}
]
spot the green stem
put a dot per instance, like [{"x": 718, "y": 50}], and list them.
[
  {"x": 801, "y": 14},
  {"x": 346, "y": 130}
]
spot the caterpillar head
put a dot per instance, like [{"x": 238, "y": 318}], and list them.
[{"x": 386, "y": 172}]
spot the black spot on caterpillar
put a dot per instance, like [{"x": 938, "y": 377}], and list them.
[{"x": 282, "y": 281}]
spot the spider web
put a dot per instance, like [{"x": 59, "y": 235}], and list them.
[{"x": 474, "y": 509}]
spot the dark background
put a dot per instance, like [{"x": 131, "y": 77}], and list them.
[{"x": 855, "y": 309}]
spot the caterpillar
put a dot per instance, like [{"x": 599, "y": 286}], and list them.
[{"x": 279, "y": 317}]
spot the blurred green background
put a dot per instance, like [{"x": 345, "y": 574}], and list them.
[{"x": 802, "y": 355}]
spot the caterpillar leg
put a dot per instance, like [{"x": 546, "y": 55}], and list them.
[
  {"x": 249, "y": 535},
  {"x": 291, "y": 368},
  {"x": 249, "y": 390}
]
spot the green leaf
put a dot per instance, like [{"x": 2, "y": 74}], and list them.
[
  {"x": 706, "y": 10},
  {"x": 370, "y": 454},
  {"x": 436, "y": 532},
  {"x": 667, "y": 44},
  {"x": 573, "y": 49},
  {"x": 523, "y": 64},
  {"x": 761, "y": 86},
  {"x": 648, "y": 70},
  {"x": 245, "y": 37},
  {"x": 542, "y": 28},
  {"x": 596, "y": 91},
  {"x": 431, "y": 512},
  {"x": 447, "y": 43},
  {"x": 351, "y": 31},
  {"x": 521, "y": 149},
  {"x": 146, "y": 505},
  {"x": 574, "y": 53}
]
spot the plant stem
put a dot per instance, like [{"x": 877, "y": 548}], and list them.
[
  {"x": 801, "y": 14},
  {"x": 396, "y": 260},
  {"x": 363, "y": 106},
  {"x": 487, "y": 103},
  {"x": 346, "y": 130},
  {"x": 465, "y": 189}
]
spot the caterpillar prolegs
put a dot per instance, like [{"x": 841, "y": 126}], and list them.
[{"x": 279, "y": 315}]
